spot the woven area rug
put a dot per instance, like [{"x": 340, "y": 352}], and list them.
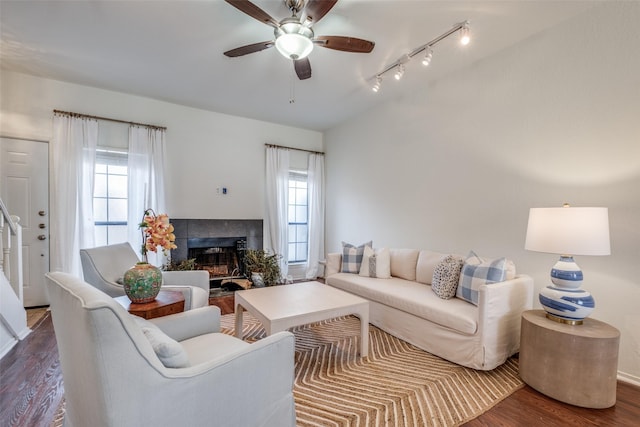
[{"x": 397, "y": 385}]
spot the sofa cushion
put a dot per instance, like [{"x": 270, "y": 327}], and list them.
[
  {"x": 446, "y": 276},
  {"x": 168, "y": 350},
  {"x": 477, "y": 272},
  {"x": 412, "y": 297},
  {"x": 376, "y": 263},
  {"x": 352, "y": 257},
  {"x": 403, "y": 263},
  {"x": 427, "y": 261}
]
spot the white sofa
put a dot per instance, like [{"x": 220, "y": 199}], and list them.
[{"x": 480, "y": 337}]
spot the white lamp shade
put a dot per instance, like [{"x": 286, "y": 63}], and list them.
[
  {"x": 569, "y": 231},
  {"x": 294, "y": 46}
]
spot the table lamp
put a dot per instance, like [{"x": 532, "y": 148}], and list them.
[{"x": 568, "y": 231}]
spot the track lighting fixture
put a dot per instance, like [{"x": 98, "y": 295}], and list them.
[
  {"x": 427, "y": 56},
  {"x": 427, "y": 48},
  {"x": 399, "y": 72}
]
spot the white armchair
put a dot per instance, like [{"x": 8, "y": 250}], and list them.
[
  {"x": 115, "y": 375},
  {"x": 103, "y": 266}
]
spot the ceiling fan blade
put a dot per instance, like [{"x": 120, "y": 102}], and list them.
[
  {"x": 316, "y": 9},
  {"x": 253, "y": 11},
  {"x": 345, "y": 44},
  {"x": 250, "y": 48},
  {"x": 303, "y": 68}
]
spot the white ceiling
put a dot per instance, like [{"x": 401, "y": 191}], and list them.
[{"x": 172, "y": 50}]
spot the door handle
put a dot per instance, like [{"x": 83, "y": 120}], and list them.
[{"x": 42, "y": 237}]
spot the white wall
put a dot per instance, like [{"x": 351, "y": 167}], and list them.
[
  {"x": 205, "y": 150},
  {"x": 457, "y": 164}
]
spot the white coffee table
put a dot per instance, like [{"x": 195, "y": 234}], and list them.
[{"x": 279, "y": 308}]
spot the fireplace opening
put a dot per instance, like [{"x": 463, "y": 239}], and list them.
[{"x": 222, "y": 257}]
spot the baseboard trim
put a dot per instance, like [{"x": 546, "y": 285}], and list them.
[
  {"x": 6, "y": 348},
  {"x": 629, "y": 379}
]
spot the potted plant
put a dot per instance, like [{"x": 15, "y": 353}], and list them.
[{"x": 262, "y": 267}]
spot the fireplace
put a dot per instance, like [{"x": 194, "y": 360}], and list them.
[
  {"x": 222, "y": 257},
  {"x": 218, "y": 246}
]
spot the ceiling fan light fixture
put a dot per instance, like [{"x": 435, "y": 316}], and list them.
[{"x": 293, "y": 40}]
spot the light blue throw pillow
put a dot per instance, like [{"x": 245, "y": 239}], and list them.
[
  {"x": 352, "y": 257},
  {"x": 476, "y": 272}
]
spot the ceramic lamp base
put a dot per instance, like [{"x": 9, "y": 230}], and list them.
[{"x": 566, "y": 305}]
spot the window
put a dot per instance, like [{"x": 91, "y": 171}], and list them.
[
  {"x": 297, "y": 217},
  {"x": 110, "y": 197}
]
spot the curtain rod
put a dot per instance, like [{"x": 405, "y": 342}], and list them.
[
  {"x": 67, "y": 113},
  {"x": 293, "y": 148}
]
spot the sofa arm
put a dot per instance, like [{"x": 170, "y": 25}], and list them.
[
  {"x": 334, "y": 261},
  {"x": 500, "y": 307},
  {"x": 188, "y": 324}
]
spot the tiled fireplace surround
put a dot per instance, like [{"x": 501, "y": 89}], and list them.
[{"x": 185, "y": 229}]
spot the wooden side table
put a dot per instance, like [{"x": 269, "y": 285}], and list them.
[
  {"x": 575, "y": 364},
  {"x": 167, "y": 302}
]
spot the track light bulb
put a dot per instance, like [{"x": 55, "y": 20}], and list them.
[
  {"x": 427, "y": 57},
  {"x": 464, "y": 35},
  {"x": 399, "y": 72},
  {"x": 376, "y": 85}
]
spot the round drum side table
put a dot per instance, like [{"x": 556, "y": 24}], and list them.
[{"x": 575, "y": 364}]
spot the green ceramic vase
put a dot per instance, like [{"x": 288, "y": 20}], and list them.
[{"x": 142, "y": 282}]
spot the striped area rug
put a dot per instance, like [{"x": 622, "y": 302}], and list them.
[{"x": 396, "y": 385}]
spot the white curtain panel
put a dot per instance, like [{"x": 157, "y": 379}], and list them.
[
  {"x": 277, "y": 201},
  {"x": 73, "y": 157},
  {"x": 315, "y": 188},
  {"x": 146, "y": 183}
]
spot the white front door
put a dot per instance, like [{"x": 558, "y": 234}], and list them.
[{"x": 24, "y": 187}]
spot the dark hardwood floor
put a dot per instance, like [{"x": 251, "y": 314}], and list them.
[
  {"x": 31, "y": 384},
  {"x": 31, "y": 390}
]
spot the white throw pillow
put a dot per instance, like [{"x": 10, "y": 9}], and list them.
[
  {"x": 169, "y": 351},
  {"x": 376, "y": 263}
]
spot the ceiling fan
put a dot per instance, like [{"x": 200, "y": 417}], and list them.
[{"x": 294, "y": 37}]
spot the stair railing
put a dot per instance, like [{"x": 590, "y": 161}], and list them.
[{"x": 10, "y": 221}]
